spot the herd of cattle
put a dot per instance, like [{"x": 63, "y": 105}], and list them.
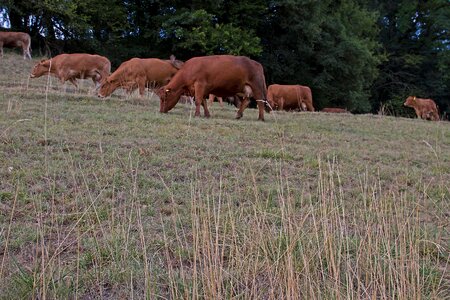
[{"x": 221, "y": 76}]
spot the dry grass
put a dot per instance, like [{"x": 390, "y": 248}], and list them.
[{"x": 112, "y": 200}]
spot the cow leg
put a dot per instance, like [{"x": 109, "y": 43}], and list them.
[
  {"x": 245, "y": 102},
  {"x": 24, "y": 51},
  {"x": 205, "y": 108},
  {"x": 260, "y": 104},
  {"x": 141, "y": 85},
  {"x": 304, "y": 106},
  {"x": 419, "y": 115},
  {"x": 96, "y": 78},
  {"x": 211, "y": 99},
  {"x": 307, "y": 105},
  {"x": 281, "y": 104},
  {"x": 199, "y": 100},
  {"x": 220, "y": 101}
]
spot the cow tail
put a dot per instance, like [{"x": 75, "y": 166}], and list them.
[{"x": 264, "y": 89}]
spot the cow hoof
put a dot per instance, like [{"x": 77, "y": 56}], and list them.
[
  {"x": 238, "y": 116},
  {"x": 261, "y": 119}
]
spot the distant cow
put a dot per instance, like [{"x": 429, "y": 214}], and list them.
[
  {"x": 140, "y": 73},
  {"x": 335, "y": 110},
  {"x": 16, "y": 40},
  {"x": 70, "y": 67},
  {"x": 290, "y": 97},
  {"x": 425, "y": 108},
  {"x": 221, "y": 75}
]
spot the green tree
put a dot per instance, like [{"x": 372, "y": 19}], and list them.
[{"x": 198, "y": 33}]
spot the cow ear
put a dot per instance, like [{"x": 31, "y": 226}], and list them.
[{"x": 172, "y": 58}]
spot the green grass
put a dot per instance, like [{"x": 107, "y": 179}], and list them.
[{"x": 111, "y": 199}]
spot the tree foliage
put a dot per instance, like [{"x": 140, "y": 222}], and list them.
[{"x": 358, "y": 54}]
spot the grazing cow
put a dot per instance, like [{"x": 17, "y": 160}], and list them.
[
  {"x": 335, "y": 110},
  {"x": 16, "y": 40},
  {"x": 290, "y": 97},
  {"x": 140, "y": 73},
  {"x": 425, "y": 108},
  {"x": 221, "y": 75},
  {"x": 70, "y": 67}
]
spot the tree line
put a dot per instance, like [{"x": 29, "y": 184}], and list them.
[{"x": 364, "y": 55}]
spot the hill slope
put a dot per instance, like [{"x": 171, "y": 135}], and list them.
[{"x": 111, "y": 199}]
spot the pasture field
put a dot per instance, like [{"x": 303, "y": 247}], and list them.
[{"x": 109, "y": 199}]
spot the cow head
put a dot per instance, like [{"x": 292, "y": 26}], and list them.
[
  {"x": 42, "y": 68},
  {"x": 168, "y": 98},
  {"x": 106, "y": 88},
  {"x": 410, "y": 101}
]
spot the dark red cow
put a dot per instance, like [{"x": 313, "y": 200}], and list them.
[{"x": 221, "y": 75}]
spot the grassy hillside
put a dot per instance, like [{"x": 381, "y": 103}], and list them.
[{"x": 110, "y": 199}]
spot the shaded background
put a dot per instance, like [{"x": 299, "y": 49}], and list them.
[{"x": 365, "y": 56}]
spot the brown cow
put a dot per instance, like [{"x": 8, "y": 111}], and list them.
[
  {"x": 73, "y": 66},
  {"x": 221, "y": 75},
  {"x": 425, "y": 108},
  {"x": 290, "y": 97},
  {"x": 140, "y": 73},
  {"x": 335, "y": 110},
  {"x": 16, "y": 40}
]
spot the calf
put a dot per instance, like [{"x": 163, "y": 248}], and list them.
[{"x": 425, "y": 108}]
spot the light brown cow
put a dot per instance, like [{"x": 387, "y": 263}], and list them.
[
  {"x": 221, "y": 75},
  {"x": 140, "y": 73},
  {"x": 290, "y": 97},
  {"x": 425, "y": 108},
  {"x": 16, "y": 40},
  {"x": 335, "y": 110},
  {"x": 70, "y": 67}
]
